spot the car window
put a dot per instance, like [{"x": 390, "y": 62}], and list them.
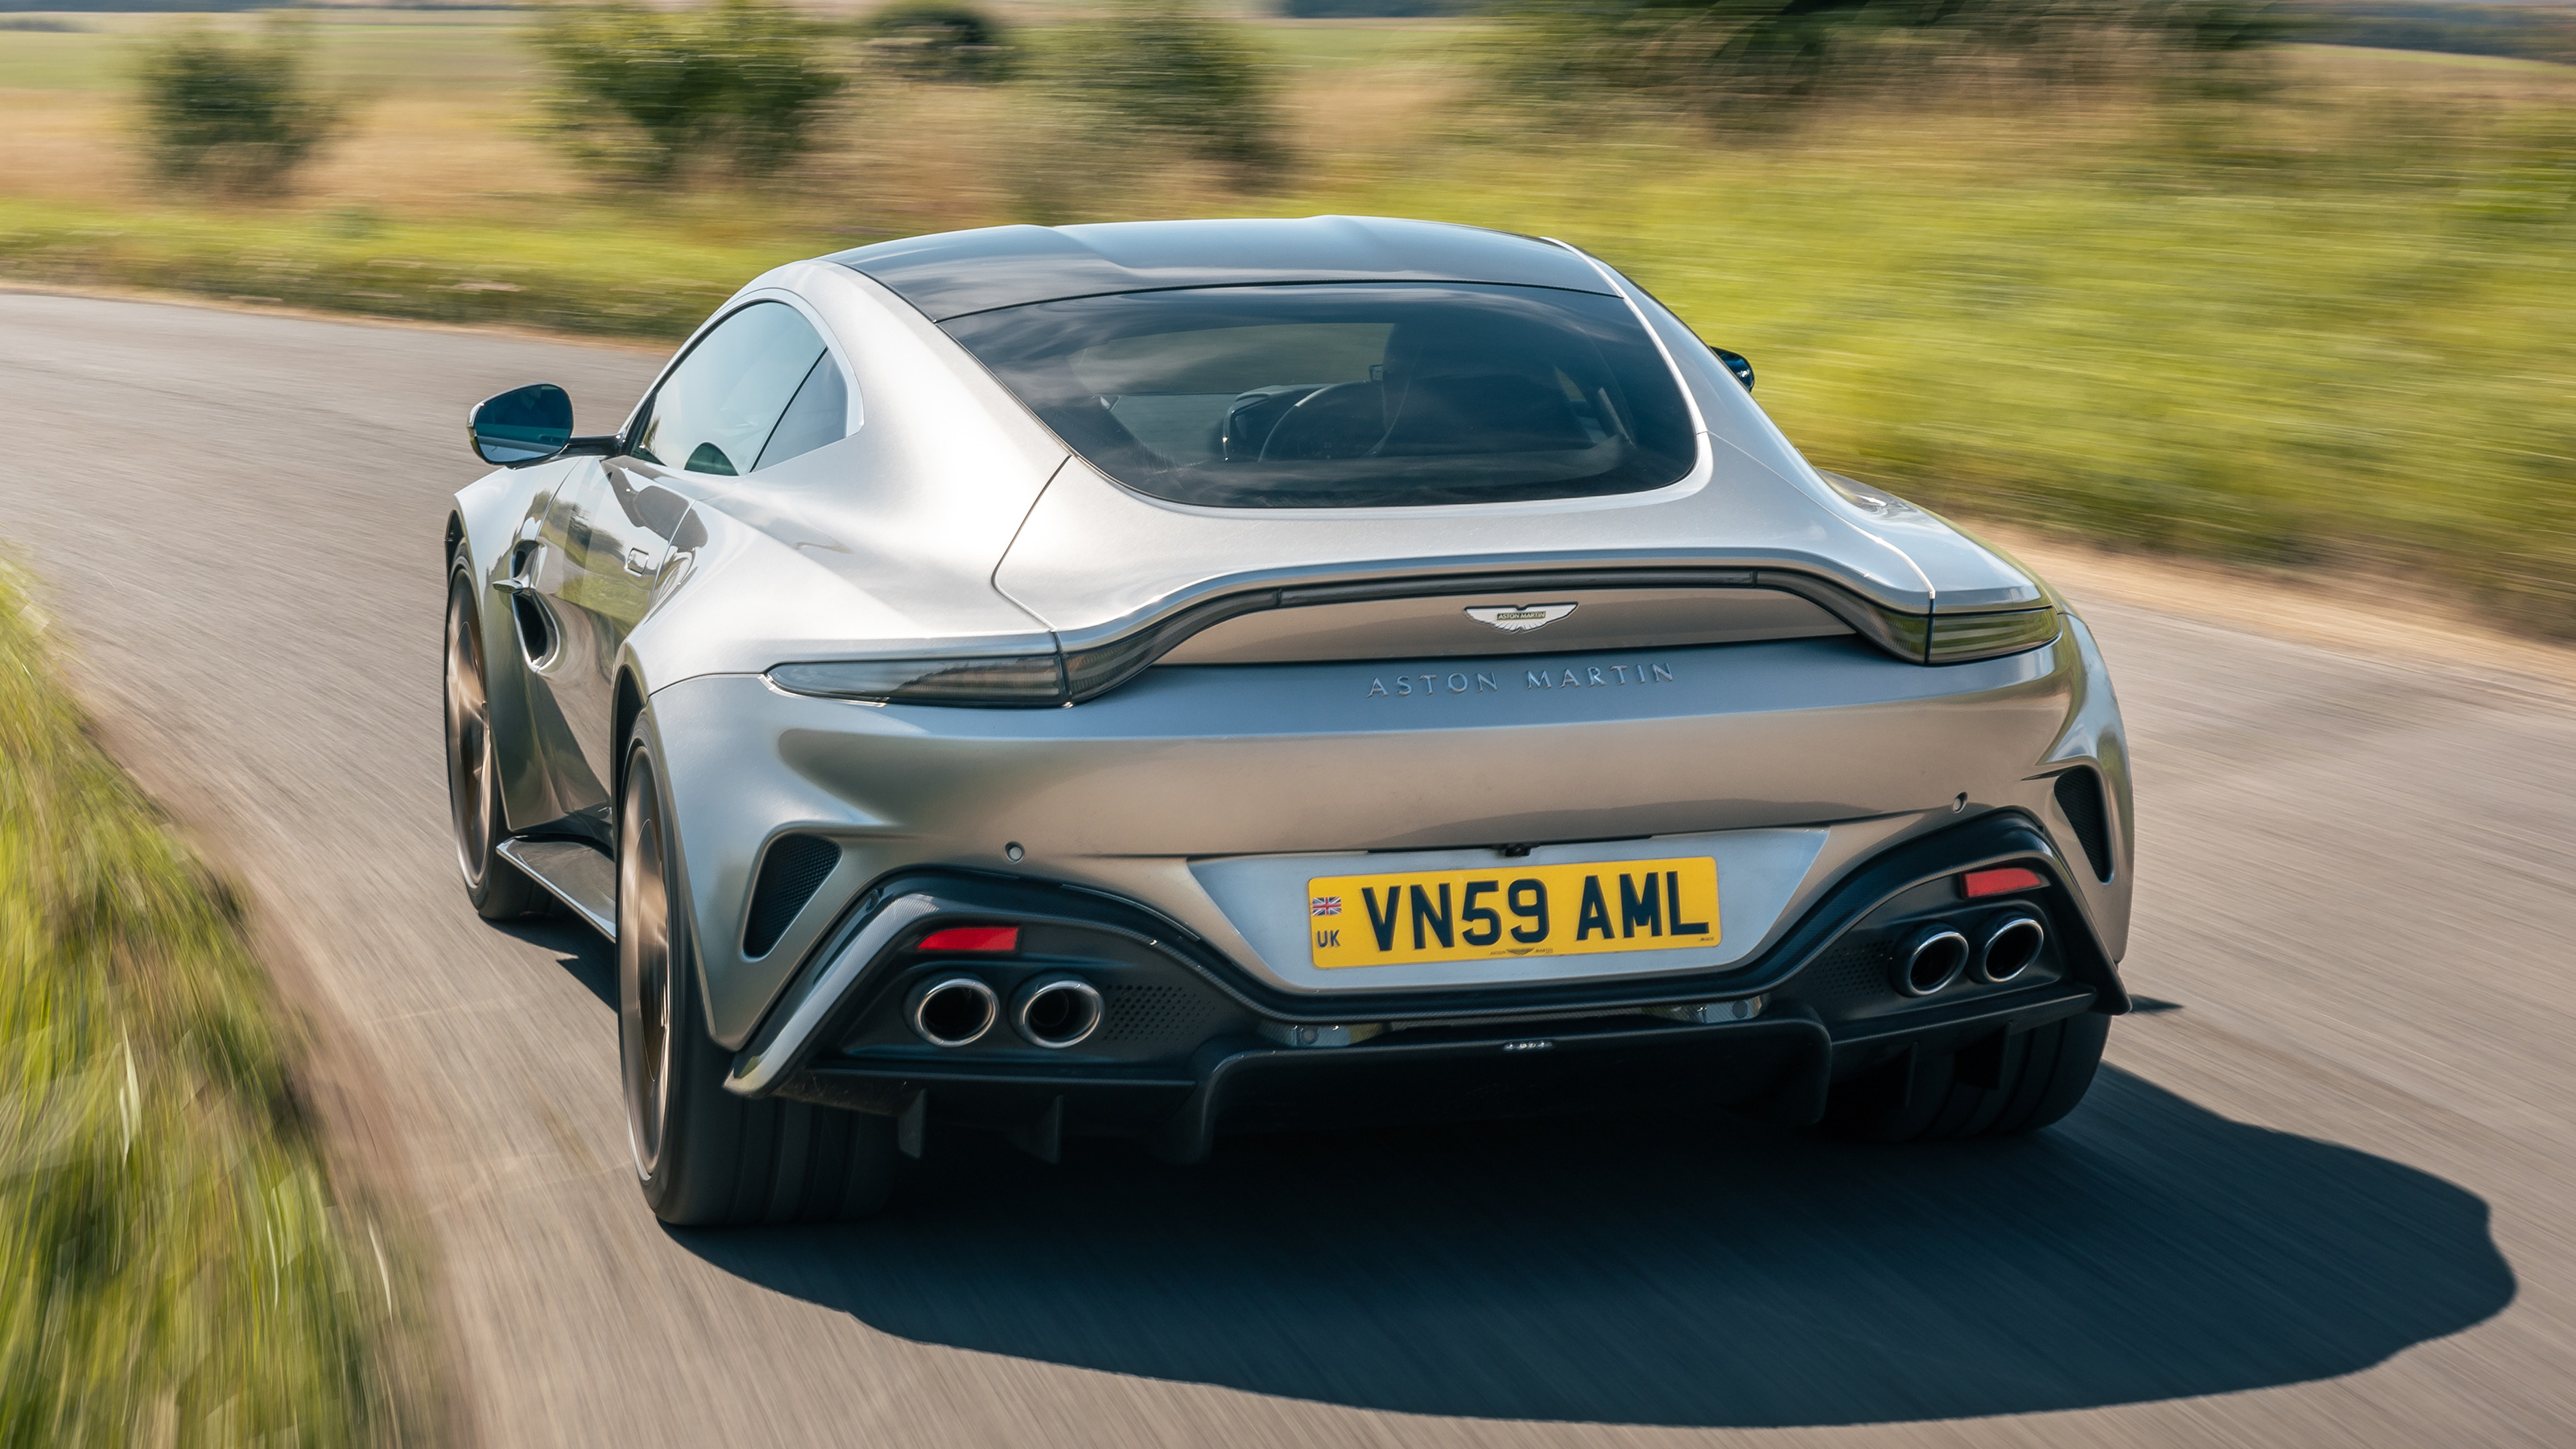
[
  {"x": 819, "y": 414},
  {"x": 1348, "y": 395},
  {"x": 757, "y": 390}
]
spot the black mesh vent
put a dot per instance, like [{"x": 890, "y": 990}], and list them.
[
  {"x": 1851, "y": 973},
  {"x": 1143, "y": 1013},
  {"x": 789, "y": 875},
  {"x": 2079, "y": 795}
]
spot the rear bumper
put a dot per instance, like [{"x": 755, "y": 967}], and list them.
[
  {"x": 1780, "y": 1065},
  {"x": 1206, "y": 1055},
  {"x": 1186, "y": 791}
]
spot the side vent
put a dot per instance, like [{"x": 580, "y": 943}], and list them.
[
  {"x": 536, "y": 631},
  {"x": 789, "y": 875},
  {"x": 537, "y": 638},
  {"x": 2079, "y": 795}
]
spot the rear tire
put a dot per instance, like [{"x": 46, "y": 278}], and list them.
[
  {"x": 704, "y": 1156},
  {"x": 497, "y": 888},
  {"x": 1923, "y": 1097}
]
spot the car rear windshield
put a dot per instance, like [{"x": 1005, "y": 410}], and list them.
[{"x": 1362, "y": 395}]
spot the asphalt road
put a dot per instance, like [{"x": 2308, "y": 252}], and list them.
[{"x": 2321, "y": 1196}]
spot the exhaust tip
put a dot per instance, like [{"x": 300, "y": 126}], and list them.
[
  {"x": 953, "y": 1010},
  {"x": 1056, "y": 1012},
  {"x": 1933, "y": 960},
  {"x": 2011, "y": 948}
]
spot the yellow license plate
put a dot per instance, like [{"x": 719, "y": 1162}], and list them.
[{"x": 1512, "y": 910}]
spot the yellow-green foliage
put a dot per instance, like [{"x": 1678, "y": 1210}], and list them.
[{"x": 174, "y": 1266}]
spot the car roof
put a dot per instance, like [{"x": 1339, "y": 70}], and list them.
[{"x": 951, "y": 274}]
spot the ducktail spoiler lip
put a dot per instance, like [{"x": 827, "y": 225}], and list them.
[{"x": 1096, "y": 660}]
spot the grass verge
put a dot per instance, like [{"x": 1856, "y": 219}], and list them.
[
  {"x": 178, "y": 1265},
  {"x": 608, "y": 281}
]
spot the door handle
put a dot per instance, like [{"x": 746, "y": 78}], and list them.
[{"x": 639, "y": 561}]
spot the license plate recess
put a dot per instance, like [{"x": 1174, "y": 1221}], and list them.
[{"x": 1512, "y": 909}]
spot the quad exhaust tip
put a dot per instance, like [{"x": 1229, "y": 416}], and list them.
[
  {"x": 1056, "y": 1012},
  {"x": 953, "y": 1010},
  {"x": 2011, "y": 948},
  {"x": 1933, "y": 960}
]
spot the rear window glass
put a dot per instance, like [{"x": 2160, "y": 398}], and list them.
[{"x": 1376, "y": 394}]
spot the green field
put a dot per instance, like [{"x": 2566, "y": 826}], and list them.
[{"x": 2335, "y": 330}]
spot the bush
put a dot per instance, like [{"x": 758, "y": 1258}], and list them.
[
  {"x": 1370, "y": 9},
  {"x": 648, "y": 94},
  {"x": 235, "y": 114},
  {"x": 938, "y": 40},
  {"x": 2532, "y": 32},
  {"x": 1753, "y": 61},
  {"x": 1168, "y": 70}
]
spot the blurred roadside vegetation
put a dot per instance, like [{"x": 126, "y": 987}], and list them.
[
  {"x": 177, "y": 1265},
  {"x": 2161, "y": 280}
]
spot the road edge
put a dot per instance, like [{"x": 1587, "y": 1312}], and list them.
[
  {"x": 145, "y": 296},
  {"x": 359, "y": 1130},
  {"x": 2355, "y": 614}
]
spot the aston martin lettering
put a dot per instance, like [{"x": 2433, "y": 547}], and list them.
[
  {"x": 1595, "y": 676},
  {"x": 1518, "y": 618},
  {"x": 1429, "y": 684},
  {"x": 1588, "y": 676}
]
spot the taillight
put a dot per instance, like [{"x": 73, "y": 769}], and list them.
[
  {"x": 2002, "y": 880},
  {"x": 971, "y": 938},
  {"x": 1023, "y": 680},
  {"x": 1958, "y": 638}
]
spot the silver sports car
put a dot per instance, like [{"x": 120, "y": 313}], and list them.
[{"x": 1174, "y": 679}]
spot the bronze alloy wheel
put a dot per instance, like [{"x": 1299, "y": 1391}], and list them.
[
  {"x": 470, "y": 795},
  {"x": 496, "y": 887},
  {"x": 643, "y": 966}
]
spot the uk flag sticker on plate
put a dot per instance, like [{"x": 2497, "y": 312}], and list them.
[{"x": 1324, "y": 905}]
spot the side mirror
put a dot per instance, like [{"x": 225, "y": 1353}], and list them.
[
  {"x": 1735, "y": 363},
  {"x": 524, "y": 425}
]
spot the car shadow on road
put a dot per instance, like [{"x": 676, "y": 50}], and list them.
[
  {"x": 584, "y": 955},
  {"x": 1734, "y": 1275}
]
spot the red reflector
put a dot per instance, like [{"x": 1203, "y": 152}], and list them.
[
  {"x": 2000, "y": 881},
  {"x": 972, "y": 938}
]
